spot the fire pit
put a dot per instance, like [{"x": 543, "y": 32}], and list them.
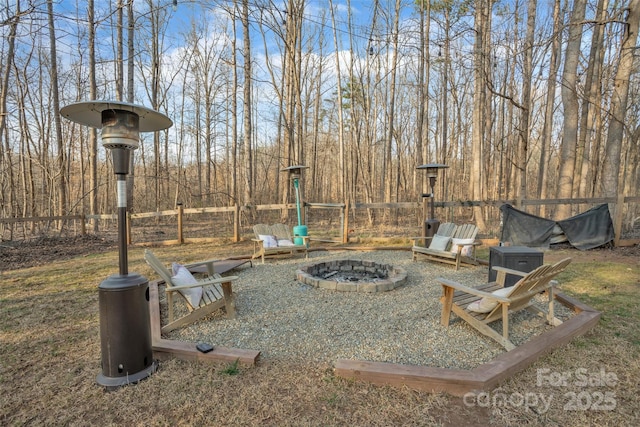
[{"x": 349, "y": 275}]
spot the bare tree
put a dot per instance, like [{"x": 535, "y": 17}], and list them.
[
  {"x": 611, "y": 165},
  {"x": 388, "y": 167},
  {"x": 244, "y": 18},
  {"x": 341, "y": 143},
  {"x": 569, "y": 90},
  {"x": 93, "y": 134},
  {"x": 55, "y": 99},
  {"x": 480, "y": 104},
  {"x": 591, "y": 102},
  {"x": 554, "y": 63},
  {"x": 527, "y": 75},
  {"x": 6, "y": 159}
]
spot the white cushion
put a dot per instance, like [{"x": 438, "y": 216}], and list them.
[
  {"x": 485, "y": 305},
  {"x": 182, "y": 276},
  {"x": 439, "y": 243},
  {"x": 467, "y": 248},
  {"x": 285, "y": 242},
  {"x": 268, "y": 240}
]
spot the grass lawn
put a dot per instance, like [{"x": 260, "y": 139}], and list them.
[{"x": 50, "y": 356}]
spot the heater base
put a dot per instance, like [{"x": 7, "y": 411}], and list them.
[{"x": 112, "y": 383}]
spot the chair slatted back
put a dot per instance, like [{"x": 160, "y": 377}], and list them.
[
  {"x": 158, "y": 267},
  {"x": 281, "y": 231},
  {"x": 534, "y": 282},
  {"x": 262, "y": 229},
  {"x": 446, "y": 229},
  {"x": 465, "y": 231}
]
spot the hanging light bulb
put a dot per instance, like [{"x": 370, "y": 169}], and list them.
[{"x": 175, "y": 5}]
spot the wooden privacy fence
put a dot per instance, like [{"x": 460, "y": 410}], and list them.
[{"x": 236, "y": 216}]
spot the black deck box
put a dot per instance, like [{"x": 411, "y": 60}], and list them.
[{"x": 519, "y": 258}]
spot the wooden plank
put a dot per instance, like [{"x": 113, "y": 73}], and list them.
[
  {"x": 155, "y": 214},
  {"x": 154, "y": 312},
  {"x": 454, "y": 381},
  {"x": 213, "y": 209},
  {"x": 222, "y": 266},
  {"x": 164, "y": 349},
  {"x": 398, "y": 205},
  {"x": 508, "y": 364},
  {"x": 486, "y": 376},
  {"x": 39, "y": 218},
  {"x": 325, "y": 205}
]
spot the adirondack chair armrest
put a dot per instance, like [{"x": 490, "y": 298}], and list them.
[
  {"x": 464, "y": 288},
  {"x": 503, "y": 272},
  {"x": 421, "y": 238},
  {"x": 305, "y": 239},
  {"x": 205, "y": 282},
  {"x": 509, "y": 271},
  {"x": 461, "y": 246},
  {"x": 209, "y": 263}
]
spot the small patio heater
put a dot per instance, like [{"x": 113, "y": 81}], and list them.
[
  {"x": 295, "y": 172},
  {"x": 125, "y": 331},
  {"x": 431, "y": 224}
]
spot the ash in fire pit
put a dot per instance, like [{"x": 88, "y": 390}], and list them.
[{"x": 350, "y": 275}]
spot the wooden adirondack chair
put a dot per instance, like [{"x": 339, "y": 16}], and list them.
[
  {"x": 216, "y": 293},
  {"x": 449, "y": 245},
  {"x": 276, "y": 239},
  {"x": 457, "y": 298}
]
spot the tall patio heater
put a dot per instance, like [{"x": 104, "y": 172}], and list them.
[
  {"x": 125, "y": 331},
  {"x": 431, "y": 224},
  {"x": 295, "y": 173}
]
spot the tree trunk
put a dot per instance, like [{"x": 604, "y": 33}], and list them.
[
  {"x": 526, "y": 101},
  {"x": 341, "y": 150},
  {"x": 391, "y": 107},
  {"x": 130, "y": 98},
  {"x": 611, "y": 165},
  {"x": 8, "y": 191},
  {"x": 480, "y": 104},
  {"x": 248, "y": 191},
  {"x": 569, "y": 90},
  {"x": 61, "y": 161},
  {"x": 119, "y": 50},
  {"x": 234, "y": 116},
  {"x": 93, "y": 133},
  {"x": 547, "y": 127}
]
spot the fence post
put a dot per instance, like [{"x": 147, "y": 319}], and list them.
[
  {"x": 345, "y": 222},
  {"x": 617, "y": 220},
  {"x": 128, "y": 228},
  {"x": 180, "y": 213},
  {"x": 236, "y": 223}
]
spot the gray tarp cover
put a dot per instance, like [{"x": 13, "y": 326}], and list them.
[{"x": 587, "y": 230}]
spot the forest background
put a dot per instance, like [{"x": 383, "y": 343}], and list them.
[{"x": 522, "y": 99}]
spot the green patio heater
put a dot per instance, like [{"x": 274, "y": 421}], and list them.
[
  {"x": 125, "y": 331},
  {"x": 301, "y": 230}
]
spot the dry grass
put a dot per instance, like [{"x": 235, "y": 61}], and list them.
[{"x": 50, "y": 356}]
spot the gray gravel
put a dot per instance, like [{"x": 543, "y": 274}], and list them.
[{"x": 285, "y": 319}]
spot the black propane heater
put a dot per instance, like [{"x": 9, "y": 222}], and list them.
[
  {"x": 125, "y": 332},
  {"x": 431, "y": 224}
]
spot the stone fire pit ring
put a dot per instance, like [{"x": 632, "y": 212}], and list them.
[{"x": 350, "y": 275}]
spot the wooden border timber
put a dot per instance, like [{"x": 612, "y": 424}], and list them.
[
  {"x": 484, "y": 377},
  {"x": 164, "y": 349}
]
